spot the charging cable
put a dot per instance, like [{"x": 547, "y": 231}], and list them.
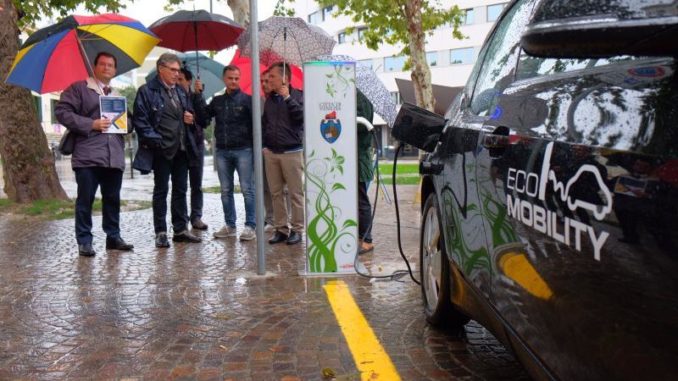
[{"x": 396, "y": 275}]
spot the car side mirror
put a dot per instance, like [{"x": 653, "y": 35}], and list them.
[{"x": 418, "y": 127}]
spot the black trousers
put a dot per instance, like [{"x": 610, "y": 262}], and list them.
[
  {"x": 88, "y": 180},
  {"x": 175, "y": 169},
  {"x": 195, "y": 179},
  {"x": 364, "y": 214}
]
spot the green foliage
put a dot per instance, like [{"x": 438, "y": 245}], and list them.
[
  {"x": 60, "y": 209},
  {"x": 217, "y": 189},
  {"x": 406, "y": 173},
  {"x": 34, "y": 10},
  {"x": 129, "y": 92},
  {"x": 387, "y": 22},
  {"x": 282, "y": 10}
]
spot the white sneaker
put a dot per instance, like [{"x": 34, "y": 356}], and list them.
[
  {"x": 248, "y": 234},
  {"x": 268, "y": 228},
  {"x": 225, "y": 232}
]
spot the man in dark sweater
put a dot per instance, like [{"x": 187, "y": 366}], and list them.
[
  {"x": 195, "y": 169},
  {"x": 233, "y": 135},
  {"x": 163, "y": 118},
  {"x": 98, "y": 157},
  {"x": 283, "y": 127}
]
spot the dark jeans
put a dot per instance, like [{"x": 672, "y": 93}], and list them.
[
  {"x": 364, "y": 214},
  {"x": 88, "y": 180},
  {"x": 195, "y": 179},
  {"x": 177, "y": 170}
]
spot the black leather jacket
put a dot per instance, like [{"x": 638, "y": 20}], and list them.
[
  {"x": 233, "y": 119},
  {"x": 283, "y": 122}
]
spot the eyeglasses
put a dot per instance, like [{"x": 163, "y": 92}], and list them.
[{"x": 173, "y": 70}]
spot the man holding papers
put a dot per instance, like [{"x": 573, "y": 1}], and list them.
[{"x": 99, "y": 153}]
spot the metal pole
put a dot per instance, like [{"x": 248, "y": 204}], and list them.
[{"x": 256, "y": 125}]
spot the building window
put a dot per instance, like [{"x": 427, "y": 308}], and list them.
[
  {"x": 53, "y": 103},
  {"x": 37, "y": 102},
  {"x": 327, "y": 13},
  {"x": 469, "y": 17},
  {"x": 396, "y": 97},
  {"x": 494, "y": 11},
  {"x": 341, "y": 37},
  {"x": 432, "y": 58},
  {"x": 361, "y": 33},
  {"x": 394, "y": 63},
  {"x": 315, "y": 18},
  {"x": 461, "y": 56},
  {"x": 364, "y": 63}
]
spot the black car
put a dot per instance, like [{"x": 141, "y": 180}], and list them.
[{"x": 550, "y": 190}]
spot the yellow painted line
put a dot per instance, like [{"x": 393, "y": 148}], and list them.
[
  {"x": 517, "y": 267},
  {"x": 370, "y": 357}
]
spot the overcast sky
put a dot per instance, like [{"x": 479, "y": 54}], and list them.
[{"x": 147, "y": 11}]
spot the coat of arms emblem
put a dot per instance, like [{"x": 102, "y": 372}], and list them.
[{"x": 330, "y": 127}]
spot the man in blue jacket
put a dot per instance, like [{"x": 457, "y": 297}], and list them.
[
  {"x": 163, "y": 119},
  {"x": 98, "y": 157},
  {"x": 283, "y": 128},
  {"x": 233, "y": 136}
]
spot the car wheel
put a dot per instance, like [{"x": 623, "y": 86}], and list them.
[{"x": 435, "y": 270}]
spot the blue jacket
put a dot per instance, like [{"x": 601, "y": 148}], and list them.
[
  {"x": 148, "y": 108},
  {"x": 233, "y": 119}
]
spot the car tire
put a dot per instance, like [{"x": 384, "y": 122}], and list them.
[{"x": 435, "y": 271}]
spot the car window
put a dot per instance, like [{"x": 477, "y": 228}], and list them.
[
  {"x": 531, "y": 67},
  {"x": 500, "y": 57}
]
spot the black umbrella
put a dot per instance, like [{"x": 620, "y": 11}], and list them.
[{"x": 196, "y": 30}]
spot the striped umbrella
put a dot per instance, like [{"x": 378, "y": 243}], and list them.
[{"x": 54, "y": 57}]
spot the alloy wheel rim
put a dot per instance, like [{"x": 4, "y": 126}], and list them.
[{"x": 432, "y": 258}]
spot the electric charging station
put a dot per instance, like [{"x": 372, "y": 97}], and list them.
[{"x": 331, "y": 167}]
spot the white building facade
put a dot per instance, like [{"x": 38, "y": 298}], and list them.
[{"x": 451, "y": 60}]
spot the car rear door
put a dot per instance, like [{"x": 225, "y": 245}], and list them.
[{"x": 577, "y": 183}]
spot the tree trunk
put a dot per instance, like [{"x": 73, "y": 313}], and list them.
[
  {"x": 421, "y": 74},
  {"x": 28, "y": 163},
  {"x": 241, "y": 11}
]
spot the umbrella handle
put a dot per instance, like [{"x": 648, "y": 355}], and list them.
[
  {"x": 90, "y": 71},
  {"x": 195, "y": 35}
]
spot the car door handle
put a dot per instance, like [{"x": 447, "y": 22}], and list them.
[
  {"x": 497, "y": 141},
  {"x": 493, "y": 141}
]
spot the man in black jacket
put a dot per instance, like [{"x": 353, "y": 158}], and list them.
[
  {"x": 283, "y": 127},
  {"x": 195, "y": 168},
  {"x": 233, "y": 135},
  {"x": 163, "y": 117}
]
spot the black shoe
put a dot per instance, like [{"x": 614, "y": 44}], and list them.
[
  {"x": 198, "y": 224},
  {"x": 294, "y": 238},
  {"x": 118, "y": 244},
  {"x": 86, "y": 250},
  {"x": 185, "y": 236},
  {"x": 278, "y": 237},
  {"x": 161, "y": 240}
]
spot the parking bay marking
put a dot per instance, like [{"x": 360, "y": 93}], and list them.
[{"x": 370, "y": 357}]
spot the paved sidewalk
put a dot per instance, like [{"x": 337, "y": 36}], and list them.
[{"x": 199, "y": 311}]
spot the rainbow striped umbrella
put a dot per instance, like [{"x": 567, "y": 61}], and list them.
[{"x": 56, "y": 56}]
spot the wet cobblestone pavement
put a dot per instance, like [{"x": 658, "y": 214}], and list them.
[{"x": 200, "y": 312}]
